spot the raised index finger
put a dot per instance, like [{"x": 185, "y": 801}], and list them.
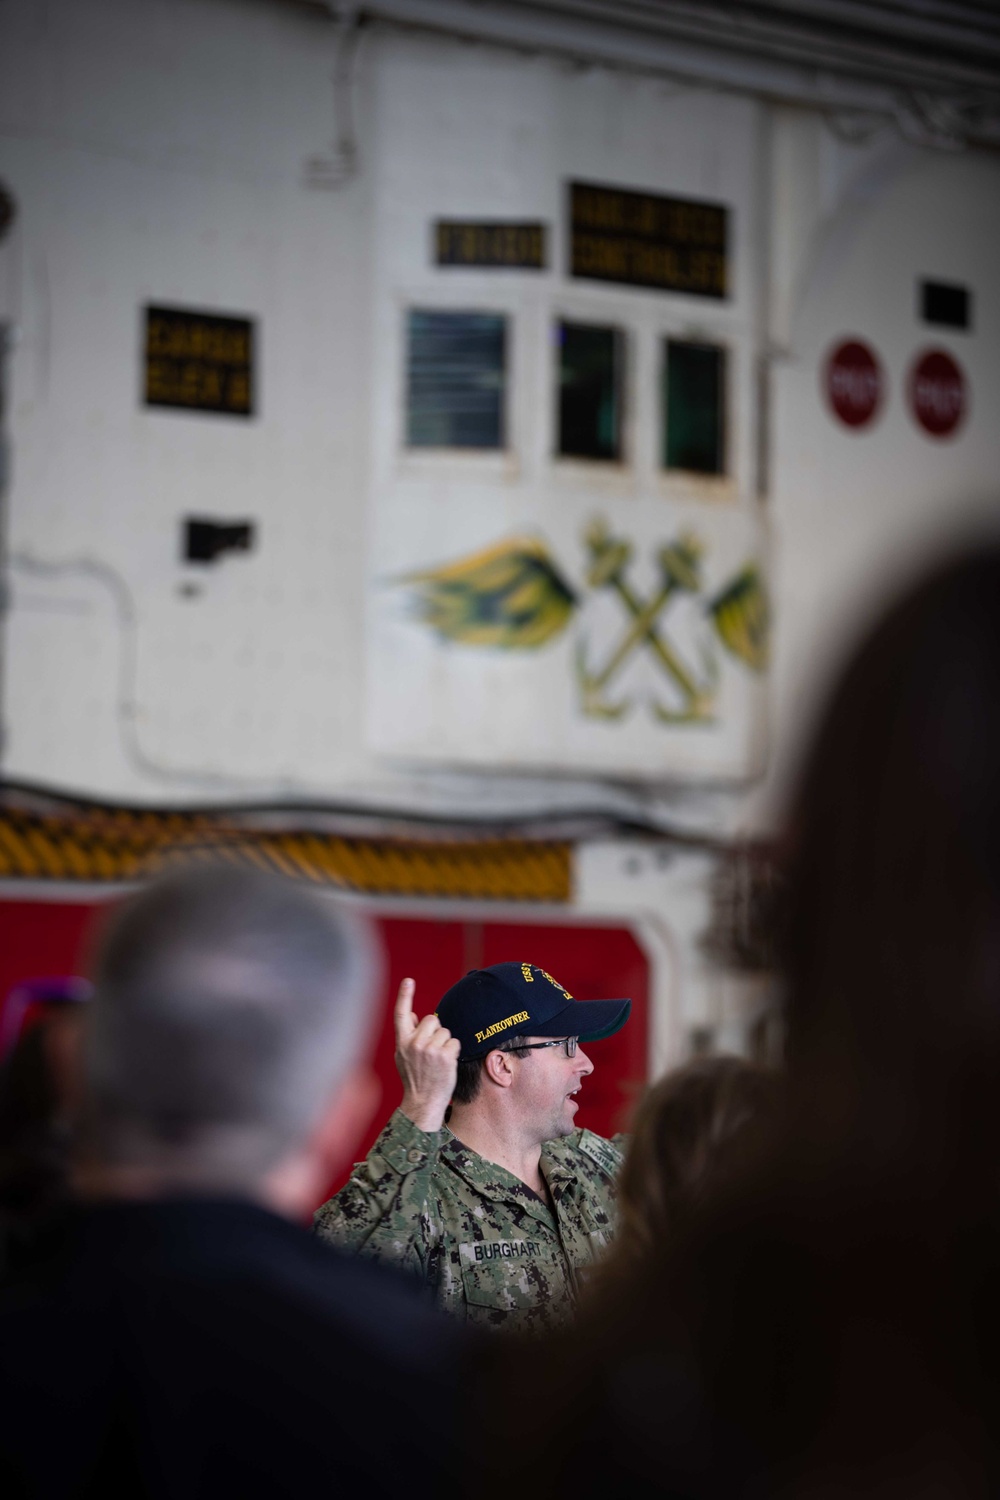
[{"x": 405, "y": 1020}]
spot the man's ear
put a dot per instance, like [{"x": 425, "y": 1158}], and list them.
[{"x": 498, "y": 1069}]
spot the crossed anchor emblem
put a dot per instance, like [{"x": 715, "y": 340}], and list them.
[
  {"x": 680, "y": 571},
  {"x": 512, "y": 596}
]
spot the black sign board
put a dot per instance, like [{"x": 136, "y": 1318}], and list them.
[
  {"x": 199, "y": 361},
  {"x": 644, "y": 239},
  {"x": 943, "y": 303},
  {"x": 495, "y": 245}
]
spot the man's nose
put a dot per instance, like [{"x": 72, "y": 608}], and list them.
[{"x": 583, "y": 1063}]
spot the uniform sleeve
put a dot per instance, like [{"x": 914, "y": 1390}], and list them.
[{"x": 387, "y": 1210}]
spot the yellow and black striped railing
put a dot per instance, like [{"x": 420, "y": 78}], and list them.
[{"x": 90, "y": 842}]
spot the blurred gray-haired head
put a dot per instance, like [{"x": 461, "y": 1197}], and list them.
[{"x": 229, "y": 1004}]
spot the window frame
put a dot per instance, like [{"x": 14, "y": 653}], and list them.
[
  {"x": 670, "y": 471},
  {"x": 614, "y": 478},
  {"x": 416, "y": 452},
  {"x": 623, "y": 344},
  {"x": 531, "y": 396},
  {"x": 734, "y": 484}
]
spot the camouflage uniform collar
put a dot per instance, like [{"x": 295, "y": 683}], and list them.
[
  {"x": 558, "y": 1158},
  {"x": 557, "y": 1162},
  {"x": 490, "y": 1179}
]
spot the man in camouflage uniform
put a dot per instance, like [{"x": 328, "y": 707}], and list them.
[{"x": 503, "y": 1213}]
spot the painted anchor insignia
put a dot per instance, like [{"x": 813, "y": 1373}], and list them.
[
  {"x": 511, "y": 596},
  {"x": 680, "y": 571}
]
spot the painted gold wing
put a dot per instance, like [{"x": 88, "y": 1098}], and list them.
[
  {"x": 742, "y": 616},
  {"x": 510, "y": 596}
]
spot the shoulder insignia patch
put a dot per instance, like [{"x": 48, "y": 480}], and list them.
[{"x": 607, "y": 1156}]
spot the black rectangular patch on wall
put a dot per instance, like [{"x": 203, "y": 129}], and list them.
[
  {"x": 648, "y": 240},
  {"x": 492, "y": 245},
  {"x": 946, "y": 304},
  {"x": 199, "y": 361}
]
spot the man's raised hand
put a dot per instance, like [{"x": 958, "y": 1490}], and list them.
[{"x": 427, "y": 1059}]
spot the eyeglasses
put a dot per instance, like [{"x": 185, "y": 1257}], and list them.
[{"x": 569, "y": 1042}]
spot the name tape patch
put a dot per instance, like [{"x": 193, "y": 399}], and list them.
[{"x": 486, "y": 1250}]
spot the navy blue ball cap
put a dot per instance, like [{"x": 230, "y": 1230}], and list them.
[{"x": 488, "y": 1006}]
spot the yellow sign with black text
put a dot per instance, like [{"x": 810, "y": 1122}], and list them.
[
  {"x": 493, "y": 245},
  {"x": 647, "y": 240},
  {"x": 199, "y": 361}
]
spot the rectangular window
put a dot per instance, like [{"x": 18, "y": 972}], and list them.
[
  {"x": 456, "y": 371},
  {"x": 694, "y": 408},
  {"x": 591, "y": 360}
]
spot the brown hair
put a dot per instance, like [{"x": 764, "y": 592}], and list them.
[
  {"x": 836, "y": 1330},
  {"x": 694, "y": 1130},
  {"x": 893, "y": 964}
]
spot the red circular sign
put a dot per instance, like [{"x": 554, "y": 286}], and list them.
[
  {"x": 937, "y": 393},
  {"x": 854, "y": 384}
]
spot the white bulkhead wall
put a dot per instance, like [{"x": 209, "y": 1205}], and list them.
[
  {"x": 857, "y": 228},
  {"x": 165, "y": 161},
  {"x": 469, "y": 131},
  {"x": 478, "y": 133},
  {"x": 160, "y": 153}
]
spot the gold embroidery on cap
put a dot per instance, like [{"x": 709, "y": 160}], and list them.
[{"x": 482, "y": 1036}]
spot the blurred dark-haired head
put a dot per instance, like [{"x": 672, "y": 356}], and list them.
[
  {"x": 893, "y": 935},
  {"x": 831, "y": 1327},
  {"x": 695, "y": 1133}
]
